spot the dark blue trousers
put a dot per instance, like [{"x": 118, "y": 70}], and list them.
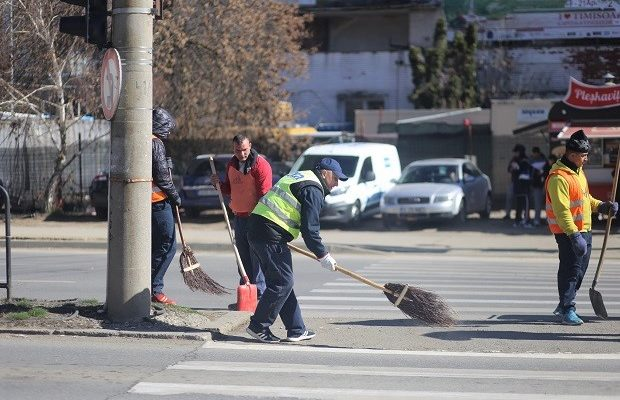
[
  {"x": 163, "y": 243},
  {"x": 279, "y": 296},
  {"x": 251, "y": 264},
  {"x": 571, "y": 270}
]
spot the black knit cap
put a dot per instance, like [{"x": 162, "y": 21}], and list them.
[{"x": 578, "y": 142}]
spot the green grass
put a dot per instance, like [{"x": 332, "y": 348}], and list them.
[
  {"x": 89, "y": 302},
  {"x": 23, "y": 303},
  {"x": 36, "y": 312}
]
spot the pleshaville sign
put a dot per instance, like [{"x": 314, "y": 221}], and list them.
[{"x": 584, "y": 96}]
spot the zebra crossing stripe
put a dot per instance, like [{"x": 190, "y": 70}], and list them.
[
  {"x": 330, "y": 393},
  {"x": 398, "y": 371},
  {"x": 413, "y": 353}
]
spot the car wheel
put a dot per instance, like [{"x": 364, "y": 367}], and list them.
[
  {"x": 355, "y": 215},
  {"x": 488, "y": 204},
  {"x": 101, "y": 213},
  {"x": 462, "y": 214}
]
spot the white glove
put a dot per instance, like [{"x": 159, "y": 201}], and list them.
[{"x": 328, "y": 262}]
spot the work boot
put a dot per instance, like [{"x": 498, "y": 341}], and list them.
[{"x": 571, "y": 318}]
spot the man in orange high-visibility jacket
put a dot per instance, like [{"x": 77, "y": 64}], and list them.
[
  {"x": 164, "y": 196},
  {"x": 248, "y": 177},
  {"x": 569, "y": 208}
]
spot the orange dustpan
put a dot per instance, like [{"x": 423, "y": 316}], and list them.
[{"x": 247, "y": 295}]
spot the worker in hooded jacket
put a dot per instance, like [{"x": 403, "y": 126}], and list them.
[
  {"x": 569, "y": 206},
  {"x": 164, "y": 197}
]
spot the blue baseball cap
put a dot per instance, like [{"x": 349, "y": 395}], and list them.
[{"x": 332, "y": 165}]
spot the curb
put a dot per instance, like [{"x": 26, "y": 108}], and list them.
[{"x": 222, "y": 326}]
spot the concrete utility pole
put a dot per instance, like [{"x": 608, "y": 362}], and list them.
[{"x": 128, "y": 294}]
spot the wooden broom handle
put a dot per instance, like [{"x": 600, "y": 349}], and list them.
[
  {"x": 232, "y": 239},
  {"x": 343, "y": 270},
  {"x": 609, "y": 218},
  {"x": 177, "y": 215},
  {"x": 178, "y": 218}
]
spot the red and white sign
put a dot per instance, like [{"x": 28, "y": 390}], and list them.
[
  {"x": 584, "y": 96},
  {"x": 592, "y": 132},
  {"x": 111, "y": 80}
]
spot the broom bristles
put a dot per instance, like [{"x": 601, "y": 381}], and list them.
[
  {"x": 421, "y": 304},
  {"x": 195, "y": 277}
]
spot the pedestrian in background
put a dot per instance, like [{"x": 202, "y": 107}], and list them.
[
  {"x": 291, "y": 207},
  {"x": 511, "y": 169},
  {"x": 538, "y": 162},
  {"x": 569, "y": 208},
  {"x": 247, "y": 179},
  {"x": 164, "y": 196},
  {"x": 521, "y": 174}
]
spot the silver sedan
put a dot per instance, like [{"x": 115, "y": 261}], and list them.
[{"x": 437, "y": 188}]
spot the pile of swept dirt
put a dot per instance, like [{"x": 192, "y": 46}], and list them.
[{"x": 90, "y": 314}]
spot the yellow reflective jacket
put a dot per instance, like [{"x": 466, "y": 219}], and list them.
[{"x": 569, "y": 204}]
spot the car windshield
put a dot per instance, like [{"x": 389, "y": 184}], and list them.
[
  {"x": 347, "y": 163},
  {"x": 202, "y": 167},
  {"x": 430, "y": 174}
]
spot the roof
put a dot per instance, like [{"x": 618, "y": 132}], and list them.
[
  {"x": 350, "y": 148},
  {"x": 535, "y": 127},
  {"x": 440, "y": 161}
]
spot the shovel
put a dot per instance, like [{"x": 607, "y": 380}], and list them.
[
  {"x": 596, "y": 299},
  {"x": 247, "y": 295}
]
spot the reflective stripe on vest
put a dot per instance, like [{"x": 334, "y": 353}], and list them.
[
  {"x": 576, "y": 199},
  {"x": 156, "y": 193},
  {"x": 280, "y": 206}
]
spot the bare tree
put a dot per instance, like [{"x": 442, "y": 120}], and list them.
[
  {"x": 44, "y": 72},
  {"x": 221, "y": 66}
]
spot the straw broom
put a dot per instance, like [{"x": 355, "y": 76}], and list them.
[
  {"x": 193, "y": 275},
  {"x": 412, "y": 301}
]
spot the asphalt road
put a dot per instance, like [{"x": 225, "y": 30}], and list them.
[{"x": 505, "y": 345}]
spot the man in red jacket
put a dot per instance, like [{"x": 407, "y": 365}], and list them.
[{"x": 247, "y": 179}]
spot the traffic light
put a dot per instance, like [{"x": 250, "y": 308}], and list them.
[{"x": 93, "y": 26}]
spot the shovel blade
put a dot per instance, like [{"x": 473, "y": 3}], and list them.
[
  {"x": 247, "y": 297},
  {"x": 597, "y": 303}
]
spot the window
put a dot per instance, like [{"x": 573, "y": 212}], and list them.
[{"x": 366, "y": 168}]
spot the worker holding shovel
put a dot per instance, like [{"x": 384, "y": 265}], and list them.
[
  {"x": 291, "y": 207},
  {"x": 569, "y": 206},
  {"x": 248, "y": 178}
]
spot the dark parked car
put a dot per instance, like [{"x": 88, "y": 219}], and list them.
[
  {"x": 197, "y": 193},
  {"x": 98, "y": 192}
]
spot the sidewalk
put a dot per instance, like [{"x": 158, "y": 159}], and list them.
[{"x": 209, "y": 233}]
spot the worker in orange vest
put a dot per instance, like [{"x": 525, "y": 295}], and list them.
[
  {"x": 164, "y": 196},
  {"x": 569, "y": 208}
]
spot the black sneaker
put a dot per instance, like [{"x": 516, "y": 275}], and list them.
[
  {"x": 264, "y": 336},
  {"x": 306, "y": 335}
]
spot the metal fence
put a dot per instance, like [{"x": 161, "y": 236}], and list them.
[{"x": 29, "y": 147}]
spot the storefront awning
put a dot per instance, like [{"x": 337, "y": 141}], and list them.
[
  {"x": 592, "y": 132},
  {"x": 536, "y": 127}
]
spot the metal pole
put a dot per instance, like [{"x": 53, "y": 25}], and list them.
[
  {"x": 7, "y": 238},
  {"x": 80, "y": 171},
  {"x": 129, "y": 226}
]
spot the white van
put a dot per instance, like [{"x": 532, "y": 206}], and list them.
[{"x": 372, "y": 168}]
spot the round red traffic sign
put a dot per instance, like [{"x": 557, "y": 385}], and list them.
[{"x": 111, "y": 79}]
